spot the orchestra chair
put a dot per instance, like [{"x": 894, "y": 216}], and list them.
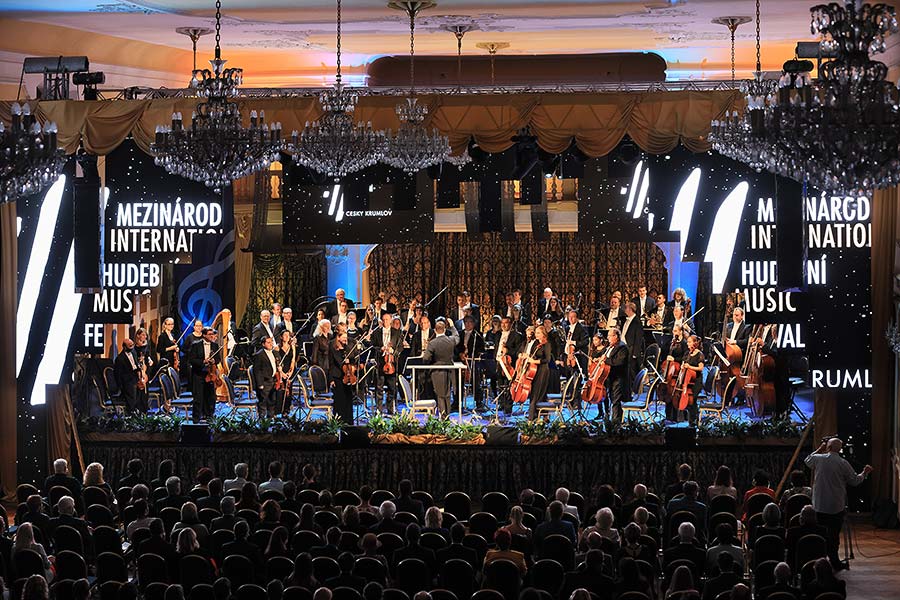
[
  {"x": 172, "y": 400},
  {"x": 250, "y": 403},
  {"x": 111, "y": 401},
  {"x": 176, "y": 379},
  {"x": 154, "y": 387},
  {"x": 321, "y": 399},
  {"x": 427, "y": 407},
  {"x": 552, "y": 407},
  {"x": 651, "y": 355},
  {"x": 716, "y": 408},
  {"x": 242, "y": 387},
  {"x": 636, "y": 405}
]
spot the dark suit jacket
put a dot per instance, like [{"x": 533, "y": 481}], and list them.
[
  {"x": 259, "y": 333},
  {"x": 410, "y": 505},
  {"x": 195, "y": 356},
  {"x": 388, "y": 526},
  {"x": 440, "y": 350},
  {"x": 263, "y": 374},
  {"x": 396, "y": 341},
  {"x": 39, "y": 520},
  {"x": 415, "y": 343},
  {"x": 79, "y": 525},
  {"x": 513, "y": 344},
  {"x": 281, "y": 327},
  {"x": 742, "y": 336},
  {"x": 474, "y": 348},
  {"x": 690, "y": 552},
  {"x": 460, "y": 552},
  {"x": 244, "y": 548},
  {"x": 213, "y": 502},
  {"x": 126, "y": 375},
  {"x": 170, "y": 501},
  {"x": 548, "y": 528},
  {"x": 579, "y": 336},
  {"x": 634, "y": 338},
  {"x": 331, "y": 308},
  {"x": 648, "y": 305},
  {"x": 619, "y": 315},
  {"x": 618, "y": 362},
  {"x": 224, "y": 522},
  {"x": 66, "y": 481}
]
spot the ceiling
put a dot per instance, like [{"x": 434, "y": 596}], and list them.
[{"x": 279, "y": 44}]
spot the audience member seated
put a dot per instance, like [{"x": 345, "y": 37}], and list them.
[
  {"x": 799, "y": 484},
  {"x": 309, "y": 479},
  {"x": 290, "y": 497},
  {"x": 782, "y": 583},
  {"x": 406, "y": 503},
  {"x": 722, "y": 486},
  {"x": 142, "y": 518},
  {"x": 555, "y": 525},
  {"x": 135, "y": 474},
  {"x": 503, "y": 540},
  {"x": 24, "y": 540},
  {"x": 638, "y": 501},
  {"x": 526, "y": 501},
  {"x": 326, "y": 503},
  {"x": 740, "y": 592},
  {"x": 308, "y": 519},
  {"x": 370, "y": 547},
  {"x": 6, "y": 546},
  {"x": 591, "y": 576},
  {"x": 302, "y": 575},
  {"x": 278, "y": 544},
  {"x": 173, "y": 497},
  {"x": 346, "y": 562},
  {"x": 434, "y": 523},
  {"x": 269, "y": 515},
  {"x": 93, "y": 477},
  {"x": 241, "y": 472},
  {"x": 771, "y": 524},
  {"x": 456, "y": 550},
  {"x": 249, "y": 499},
  {"x": 632, "y": 546},
  {"x": 157, "y": 544},
  {"x": 387, "y": 524},
  {"x": 825, "y": 581},
  {"x": 331, "y": 547},
  {"x": 808, "y": 526},
  {"x": 562, "y": 496},
  {"x": 274, "y": 483},
  {"x": 726, "y": 578},
  {"x": 631, "y": 580},
  {"x": 242, "y": 546},
  {"x": 760, "y": 486},
  {"x": 34, "y": 514},
  {"x": 516, "y": 526},
  {"x": 686, "y": 549},
  {"x": 190, "y": 520},
  {"x": 62, "y": 478},
  {"x": 214, "y": 497},
  {"x": 350, "y": 520},
  {"x": 165, "y": 470},
  {"x": 365, "y": 495},
  {"x": 228, "y": 518},
  {"x": 604, "y": 526},
  {"x": 414, "y": 550},
  {"x": 204, "y": 476},
  {"x": 681, "y": 586},
  {"x": 724, "y": 542},
  {"x": 642, "y": 520},
  {"x": 684, "y": 472},
  {"x": 690, "y": 504}
]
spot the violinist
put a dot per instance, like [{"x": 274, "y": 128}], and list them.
[
  {"x": 286, "y": 324},
  {"x": 342, "y": 392},
  {"x": 677, "y": 319},
  {"x": 142, "y": 350},
  {"x": 166, "y": 344},
  {"x": 616, "y": 357},
  {"x": 202, "y": 357},
  {"x": 388, "y": 342},
  {"x": 286, "y": 355},
  {"x": 507, "y": 348},
  {"x": 470, "y": 348},
  {"x": 320, "y": 355},
  {"x": 537, "y": 352},
  {"x": 265, "y": 366},
  {"x": 694, "y": 362}
]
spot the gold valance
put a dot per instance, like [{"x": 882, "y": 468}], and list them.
[{"x": 656, "y": 121}]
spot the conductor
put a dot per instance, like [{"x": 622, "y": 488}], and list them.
[{"x": 440, "y": 352}]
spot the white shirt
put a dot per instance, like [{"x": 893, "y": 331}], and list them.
[
  {"x": 503, "y": 337},
  {"x": 425, "y": 335},
  {"x": 289, "y": 325},
  {"x": 734, "y": 329},
  {"x": 625, "y": 327},
  {"x": 342, "y": 317},
  {"x": 613, "y": 317},
  {"x": 386, "y": 336},
  {"x": 268, "y": 329},
  {"x": 461, "y": 312},
  {"x": 271, "y": 356},
  {"x": 206, "y": 349}
]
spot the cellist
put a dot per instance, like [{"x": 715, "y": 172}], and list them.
[
  {"x": 595, "y": 352},
  {"x": 694, "y": 362},
  {"x": 678, "y": 350},
  {"x": 538, "y": 353}
]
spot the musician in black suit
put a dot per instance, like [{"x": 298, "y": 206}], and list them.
[
  {"x": 509, "y": 344},
  {"x": 613, "y": 315},
  {"x": 544, "y": 302},
  {"x": 644, "y": 303},
  {"x": 524, "y": 312},
  {"x": 420, "y": 336},
  {"x": 576, "y": 337},
  {"x": 126, "y": 371},
  {"x": 265, "y": 365},
  {"x": 633, "y": 336},
  {"x": 202, "y": 357},
  {"x": 387, "y": 341},
  {"x": 464, "y": 302},
  {"x": 286, "y": 324},
  {"x": 440, "y": 352},
  {"x": 262, "y": 330},
  {"x": 737, "y": 332},
  {"x": 617, "y": 358},
  {"x": 331, "y": 308},
  {"x": 660, "y": 314},
  {"x": 472, "y": 343}
]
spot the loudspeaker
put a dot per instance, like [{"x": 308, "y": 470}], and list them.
[
  {"x": 355, "y": 436},
  {"x": 679, "y": 438},
  {"x": 194, "y": 433},
  {"x": 790, "y": 235},
  {"x": 501, "y": 436},
  {"x": 88, "y": 228}
]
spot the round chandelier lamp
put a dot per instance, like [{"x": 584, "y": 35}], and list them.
[{"x": 30, "y": 158}]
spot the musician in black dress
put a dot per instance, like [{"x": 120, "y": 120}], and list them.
[
  {"x": 596, "y": 349},
  {"x": 492, "y": 342},
  {"x": 186, "y": 344},
  {"x": 342, "y": 392},
  {"x": 539, "y": 353},
  {"x": 677, "y": 351},
  {"x": 166, "y": 344},
  {"x": 694, "y": 362},
  {"x": 286, "y": 356},
  {"x": 557, "y": 345},
  {"x": 320, "y": 354}
]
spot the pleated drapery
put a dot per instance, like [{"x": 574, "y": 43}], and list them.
[{"x": 656, "y": 121}]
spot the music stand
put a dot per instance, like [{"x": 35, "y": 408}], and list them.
[{"x": 456, "y": 366}]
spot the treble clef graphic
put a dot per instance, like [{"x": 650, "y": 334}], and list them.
[{"x": 204, "y": 301}]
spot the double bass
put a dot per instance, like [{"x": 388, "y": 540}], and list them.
[
  {"x": 733, "y": 352},
  {"x": 520, "y": 388},
  {"x": 761, "y": 373}
]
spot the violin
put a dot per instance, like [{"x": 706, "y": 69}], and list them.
[
  {"x": 212, "y": 372},
  {"x": 571, "y": 361},
  {"x": 594, "y": 389},
  {"x": 464, "y": 359},
  {"x": 683, "y": 396},
  {"x": 390, "y": 361},
  {"x": 520, "y": 388},
  {"x": 350, "y": 373},
  {"x": 279, "y": 383},
  {"x": 142, "y": 374}
]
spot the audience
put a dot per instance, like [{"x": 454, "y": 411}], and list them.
[
  {"x": 760, "y": 486},
  {"x": 604, "y": 562}
]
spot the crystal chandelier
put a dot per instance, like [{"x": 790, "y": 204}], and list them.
[
  {"x": 29, "y": 156},
  {"x": 414, "y": 147},
  {"x": 336, "y": 145},
  {"x": 741, "y": 137},
  {"x": 215, "y": 149}
]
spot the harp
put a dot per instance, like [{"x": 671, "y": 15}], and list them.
[{"x": 222, "y": 324}]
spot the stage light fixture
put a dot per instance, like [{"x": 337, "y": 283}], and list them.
[{"x": 526, "y": 153}]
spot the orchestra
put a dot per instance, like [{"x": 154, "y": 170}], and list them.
[{"x": 596, "y": 355}]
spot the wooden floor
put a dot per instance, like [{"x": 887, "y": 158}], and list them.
[{"x": 874, "y": 573}]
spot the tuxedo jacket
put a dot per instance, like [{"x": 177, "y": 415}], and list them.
[
  {"x": 742, "y": 335},
  {"x": 618, "y": 361},
  {"x": 331, "y": 308},
  {"x": 196, "y": 358},
  {"x": 645, "y": 307},
  {"x": 259, "y": 333},
  {"x": 396, "y": 341},
  {"x": 124, "y": 372},
  {"x": 263, "y": 373},
  {"x": 415, "y": 341},
  {"x": 475, "y": 347},
  {"x": 513, "y": 344},
  {"x": 579, "y": 336},
  {"x": 619, "y": 315},
  {"x": 634, "y": 337},
  {"x": 282, "y": 327}
]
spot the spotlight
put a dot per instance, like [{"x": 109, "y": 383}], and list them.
[
  {"x": 549, "y": 163},
  {"x": 526, "y": 152},
  {"x": 89, "y": 81}
]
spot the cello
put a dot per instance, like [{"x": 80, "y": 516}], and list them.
[
  {"x": 520, "y": 388},
  {"x": 683, "y": 396},
  {"x": 594, "y": 389}
]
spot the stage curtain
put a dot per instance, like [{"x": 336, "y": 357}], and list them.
[
  {"x": 295, "y": 280},
  {"x": 8, "y": 305},
  {"x": 884, "y": 239},
  {"x": 656, "y": 121},
  {"x": 441, "y": 469},
  {"x": 488, "y": 267}
]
